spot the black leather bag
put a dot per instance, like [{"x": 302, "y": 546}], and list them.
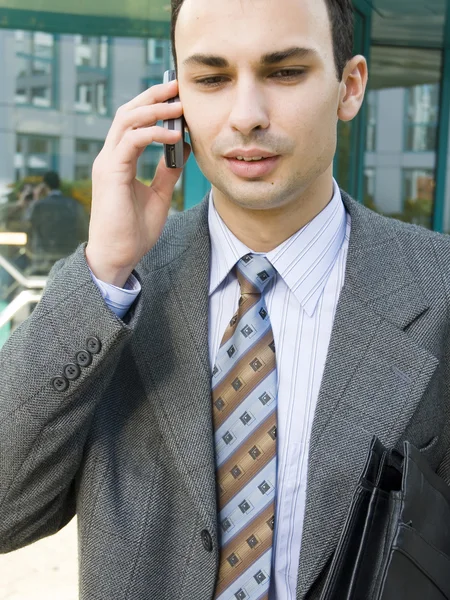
[{"x": 395, "y": 544}]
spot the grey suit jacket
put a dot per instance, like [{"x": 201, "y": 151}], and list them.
[{"x": 128, "y": 445}]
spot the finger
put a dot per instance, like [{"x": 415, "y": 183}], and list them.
[
  {"x": 157, "y": 93},
  {"x": 134, "y": 141},
  {"x": 165, "y": 179},
  {"x": 143, "y": 116}
]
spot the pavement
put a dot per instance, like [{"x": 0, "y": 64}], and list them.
[{"x": 46, "y": 570}]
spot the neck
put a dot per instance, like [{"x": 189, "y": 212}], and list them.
[{"x": 262, "y": 230}]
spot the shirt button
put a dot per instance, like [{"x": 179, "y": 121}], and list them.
[
  {"x": 84, "y": 358},
  {"x": 206, "y": 540},
  {"x": 93, "y": 344},
  {"x": 72, "y": 371},
  {"x": 60, "y": 383}
]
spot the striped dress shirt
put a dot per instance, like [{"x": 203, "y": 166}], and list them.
[{"x": 302, "y": 304}]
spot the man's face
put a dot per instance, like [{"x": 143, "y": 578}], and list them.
[{"x": 258, "y": 78}]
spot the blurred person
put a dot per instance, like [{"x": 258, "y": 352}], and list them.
[
  {"x": 202, "y": 390},
  {"x": 57, "y": 224}
]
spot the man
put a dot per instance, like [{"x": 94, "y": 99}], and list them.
[
  {"x": 57, "y": 224},
  {"x": 262, "y": 339}
]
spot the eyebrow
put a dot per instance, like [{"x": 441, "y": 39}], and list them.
[{"x": 272, "y": 58}]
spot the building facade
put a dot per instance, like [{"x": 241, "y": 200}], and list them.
[{"x": 59, "y": 94}]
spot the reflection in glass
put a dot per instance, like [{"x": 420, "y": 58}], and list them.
[
  {"x": 404, "y": 86},
  {"x": 35, "y": 155},
  {"x": 369, "y": 187},
  {"x": 371, "y": 103},
  {"x": 92, "y": 73},
  {"x": 156, "y": 50},
  {"x": 91, "y": 51},
  {"x": 422, "y": 108},
  {"x": 70, "y": 82},
  {"x": 41, "y": 96},
  {"x": 34, "y": 68},
  {"x": 418, "y": 195},
  {"x": 85, "y": 154}
]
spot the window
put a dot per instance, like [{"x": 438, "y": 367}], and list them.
[
  {"x": 42, "y": 45},
  {"x": 82, "y": 146},
  {"x": 83, "y": 102},
  {"x": 85, "y": 153},
  {"x": 92, "y": 62},
  {"x": 41, "y": 96},
  {"x": 402, "y": 113},
  {"x": 371, "y": 140},
  {"x": 35, "y": 68},
  {"x": 35, "y": 155},
  {"x": 422, "y": 111},
  {"x": 91, "y": 97},
  {"x": 101, "y": 98},
  {"x": 91, "y": 51},
  {"x": 369, "y": 187},
  {"x": 21, "y": 96},
  {"x": 38, "y": 145},
  {"x": 418, "y": 195},
  {"x": 156, "y": 50}
]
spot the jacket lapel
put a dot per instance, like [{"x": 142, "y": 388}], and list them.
[
  {"x": 171, "y": 351},
  {"x": 374, "y": 377}
]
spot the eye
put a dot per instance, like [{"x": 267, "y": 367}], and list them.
[
  {"x": 288, "y": 73},
  {"x": 211, "y": 81}
]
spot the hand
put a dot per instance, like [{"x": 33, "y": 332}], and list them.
[{"x": 127, "y": 217}]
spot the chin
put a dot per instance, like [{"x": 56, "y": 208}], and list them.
[{"x": 254, "y": 195}]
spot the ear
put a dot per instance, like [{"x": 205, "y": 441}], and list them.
[{"x": 352, "y": 88}]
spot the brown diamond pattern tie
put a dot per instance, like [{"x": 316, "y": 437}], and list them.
[{"x": 244, "y": 388}]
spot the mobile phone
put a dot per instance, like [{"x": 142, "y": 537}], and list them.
[{"x": 174, "y": 153}]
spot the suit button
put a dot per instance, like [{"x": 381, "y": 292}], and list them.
[
  {"x": 60, "y": 383},
  {"x": 93, "y": 344},
  {"x": 84, "y": 358},
  {"x": 206, "y": 540},
  {"x": 72, "y": 371}
]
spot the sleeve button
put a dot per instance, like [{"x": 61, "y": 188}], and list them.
[
  {"x": 206, "y": 540},
  {"x": 60, "y": 383},
  {"x": 84, "y": 358},
  {"x": 93, "y": 344},
  {"x": 72, "y": 371}
]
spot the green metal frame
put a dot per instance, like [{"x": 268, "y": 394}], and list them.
[
  {"x": 443, "y": 131},
  {"x": 359, "y": 130},
  {"x": 11, "y": 18}
]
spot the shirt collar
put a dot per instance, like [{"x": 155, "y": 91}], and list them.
[{"x": 304, "y": 261}]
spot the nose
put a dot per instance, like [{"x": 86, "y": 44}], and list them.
[{"x": 249, "y": 111}]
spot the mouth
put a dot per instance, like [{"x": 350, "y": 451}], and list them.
[
  {"x": 255, "y": 166},
  {"x": 250, "y": 155}
]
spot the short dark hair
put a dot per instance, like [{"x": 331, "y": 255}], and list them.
[
  {"x": 341, "y": 17},
  {"x": 52, "y": 180}
]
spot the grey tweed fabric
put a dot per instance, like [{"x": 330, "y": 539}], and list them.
[{"x": 129, "y": 445}]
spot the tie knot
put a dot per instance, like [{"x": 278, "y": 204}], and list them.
[{"x": 254, "y": 272}]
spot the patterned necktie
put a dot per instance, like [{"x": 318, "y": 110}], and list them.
[{"x": 244, "y": 388}]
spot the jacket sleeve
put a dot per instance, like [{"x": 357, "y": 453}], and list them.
[{"x": 44, "y": 417}]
